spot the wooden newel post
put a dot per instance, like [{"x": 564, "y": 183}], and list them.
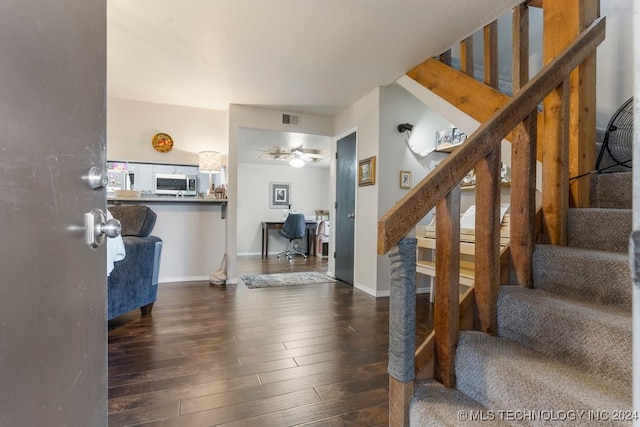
[{"x": 402, "y": 330}]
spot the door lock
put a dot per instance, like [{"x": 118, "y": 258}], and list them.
[
  {"x": 96, "y": 178},
  {"x": 97, "y": 228}
]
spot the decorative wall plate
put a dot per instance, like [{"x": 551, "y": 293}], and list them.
[{"x": 162, "y": 142}]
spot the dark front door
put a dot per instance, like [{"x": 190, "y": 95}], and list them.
[
  {"x": 53, "y": 326},
  {"x": 345, "y": 207}
]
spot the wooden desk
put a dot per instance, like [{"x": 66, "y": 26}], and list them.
[{"x": 278, "y": 225}]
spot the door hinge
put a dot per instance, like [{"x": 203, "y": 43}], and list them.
[
  {"x": 334, "y": 255},
  {"x": 335, "y": 205},
  {"x": 336, "y": 155}
]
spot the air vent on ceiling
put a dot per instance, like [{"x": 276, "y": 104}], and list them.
[{"x": 290, "y": 119}]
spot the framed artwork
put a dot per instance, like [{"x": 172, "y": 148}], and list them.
[
  {"x": 367, "y": 171},
  {"x": 279, "y": 195},
  {"x": 405, "y": 179}
]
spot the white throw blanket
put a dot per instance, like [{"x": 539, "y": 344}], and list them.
[{"x": 115, "y": 249}]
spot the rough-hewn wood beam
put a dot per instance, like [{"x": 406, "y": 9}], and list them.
[
  {"x": 447, "y": 304},
  {"x": 466, "y": 56},
  {"x": 400, "y": 395},
  {"x": 563, "y": 21},
  {"x": 520, "y": 47},
  {"x": 487, "y": 259},
  {"x": 464, "y": 92},
  {"x": 523, "y": 200},
  {"x": 555, "y": 170},
  {"x": 491, "y": 54}
]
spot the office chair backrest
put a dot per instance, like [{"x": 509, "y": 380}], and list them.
[{"x": 294, "y": 226}]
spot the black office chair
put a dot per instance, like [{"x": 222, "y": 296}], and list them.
[{"x": 294, "y": 229}]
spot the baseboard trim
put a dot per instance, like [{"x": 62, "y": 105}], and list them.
[
  {"x": 369, "y": 291},
  {"x": 182, "y": 279}
]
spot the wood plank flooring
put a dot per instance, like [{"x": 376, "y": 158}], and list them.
[{"x": 226, "y": 355}]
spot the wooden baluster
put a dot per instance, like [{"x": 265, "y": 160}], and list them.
[
  {"x": 487, "y": 258},
  {"x": 523, "y": 161},
  {"x": 466, "y": 56},
  {"x": 445, "y": 57},
  {"x": 446, "y": 321},
  {"x": 582, "y": 152},
  {"x": 563, "y": 21},
  {"x": 520, "y": 52},
  {"x": 491, "y": 54},
  {"x": 523, "y": 200},
  {"x": 555, "y": 171}
]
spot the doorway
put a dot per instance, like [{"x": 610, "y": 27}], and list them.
[
  {"x": 345, "y": 207},
  {"x": 264, "y": 157}
]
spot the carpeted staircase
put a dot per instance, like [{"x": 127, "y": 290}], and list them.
[{"x": 563, "y": 350}]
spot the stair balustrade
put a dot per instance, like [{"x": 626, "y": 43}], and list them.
[{"x": 516, "y": 118}]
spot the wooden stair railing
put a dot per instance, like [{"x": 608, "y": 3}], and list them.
[{"x": 518, "y": 117}]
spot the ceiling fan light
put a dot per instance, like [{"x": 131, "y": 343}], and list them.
[{"x": 296, "y": 162}]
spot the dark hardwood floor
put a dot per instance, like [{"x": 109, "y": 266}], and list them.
[{"x": 227, "y": 355}]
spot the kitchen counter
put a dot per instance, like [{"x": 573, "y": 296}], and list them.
[
  {"x": 193, "y": 232},
  {"x": 169, "y": 200}
]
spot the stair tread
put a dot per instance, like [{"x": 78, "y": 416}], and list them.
[
  {"x": 435, "y": 405},
  {"x": 570, "y": 330},
  {"x": 499, "y": 373}
]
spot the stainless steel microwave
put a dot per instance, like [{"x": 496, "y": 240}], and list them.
[{"x": 176, "y": 184}]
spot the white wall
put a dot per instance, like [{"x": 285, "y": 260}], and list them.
[
  {"x": 132, "y": 124},
  {"x": 615, "y": 60},
  {"x": 309, "y": 192},
  {"x": 399, "y": 106}
]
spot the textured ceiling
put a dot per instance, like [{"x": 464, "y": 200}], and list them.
[{"x": 314, "y": 56}]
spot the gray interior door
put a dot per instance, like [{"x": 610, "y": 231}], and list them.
[
  {"x": 53, "y": 324},
  {"x": 345, "y": 207}
]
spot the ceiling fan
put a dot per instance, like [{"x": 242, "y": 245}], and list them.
[{"x": 308, "y": 155}]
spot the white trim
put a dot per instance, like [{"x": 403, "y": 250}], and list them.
[
  {"x": 371, "y": 292},
  {"x": 183, "y": 279}
]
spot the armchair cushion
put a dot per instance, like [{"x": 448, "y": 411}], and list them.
[
  {"x": 136, "y": 220},
  {"x": 133, "y": 283}
]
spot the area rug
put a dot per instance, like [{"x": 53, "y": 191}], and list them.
[{"x": 284, "y": 279}]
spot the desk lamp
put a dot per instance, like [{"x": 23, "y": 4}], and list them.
[{"x": 209, "y": 161}]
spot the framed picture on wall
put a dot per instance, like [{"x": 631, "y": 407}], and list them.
[
  {"x": 367, "y": 171},
  {"x": 279, "y": 195},
  {"x": 405, "y": 179}
]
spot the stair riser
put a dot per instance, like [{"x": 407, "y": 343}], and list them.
[
  {"x": 586, "y": 275},
  {"x": 612, "y": 190},
  {"x": 600, "y": 229},
  {"x": 598, "y": 341}
]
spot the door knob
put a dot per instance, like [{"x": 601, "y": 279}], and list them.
[
  {"x": 97, "y": 228},
  {"x": 351, "y": 215}
]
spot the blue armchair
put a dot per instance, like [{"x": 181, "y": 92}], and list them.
[{"x": 133, "y": 283}]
